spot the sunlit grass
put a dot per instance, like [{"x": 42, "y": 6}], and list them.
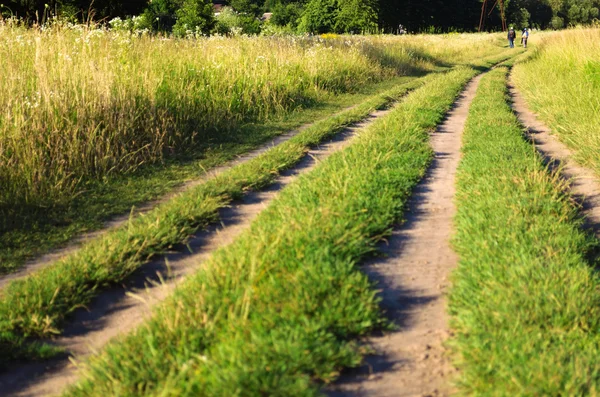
[
  {"x": 561, "y": 82},
  {"x": 79, "y": 104},
  {"x": 279, "y": 307},
  {"x": 525, "y": 301},
  {"x": 37, "y": 305}
]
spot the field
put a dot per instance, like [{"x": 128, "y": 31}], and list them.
[
  {"x": 95, "y": 122},
  {"x": 231, "y": 215}
]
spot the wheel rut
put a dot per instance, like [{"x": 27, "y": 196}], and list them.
[
  {"x": 413, "y": 278},
  {"x": 583, "y": 182},
  {"x": 119, "y": 310}
]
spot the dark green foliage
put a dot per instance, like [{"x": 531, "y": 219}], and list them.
[
  {"x": 38, "y": 10},
  {"x": 180, "y": 16},
  {"x": 350, "y": 16},
  {"x": 322, "y": 16},
  {"x": 287, "y": 14},
  {"x": 319, "y": 16},
  {"x": 357, "y": 16},
  {"x": 250, "y": 7},
  {"x": 194, "y": 16},
  {"x": 161, "y": 14}
]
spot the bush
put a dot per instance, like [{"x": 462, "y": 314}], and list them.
[
  {"x": 348, "y": 16},
  {"x": 231, "y": 22},
  {"x": 557, "y": 22},
  {"x": 287, "y": 15},
  {"x": 357, "y": 16},
  {"x": 194, "y": 16},
  {"x": 160, "y": 14},
  {"x": 319, "y": 16},
  {"x": 271, "y": 29}
]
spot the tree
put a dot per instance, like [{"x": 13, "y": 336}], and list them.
[
  {"x": 194, "y": 15},
  {"x": 520, "y": 18},
  {"x": 319, "y": 16},
  {"x": 160, "y": 14},
  {"x": 35, "y": 10},
  {"x": 357, "y": 16},
  {"x": 252, "y": 7},
  {"x": 557, "y": 22},
  {"x": 287, "y": 14}
]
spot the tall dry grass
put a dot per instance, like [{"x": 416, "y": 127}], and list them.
[
  {"x": 562, "y": 83},
  {"x": 79, "y": 103}
]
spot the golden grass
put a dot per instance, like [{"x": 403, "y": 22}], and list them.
[{"x": 79, "y": 103}]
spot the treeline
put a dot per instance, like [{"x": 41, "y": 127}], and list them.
[{"x": 311, "y": 16}]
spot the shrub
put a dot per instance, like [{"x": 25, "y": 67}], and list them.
[
  {"x": 349, "y": 16},
  {"x": 161, "y": 14},
  {"x": 319, "y": 16},
  {"x": 557, "y": 22},
  {"x": 287, "y": 15},
  {"x": 231, "y": 22},
  {"x": 138, "y": 24},
  {"x": 194, "y": 16},
  {"x": 357, "y": 16}
]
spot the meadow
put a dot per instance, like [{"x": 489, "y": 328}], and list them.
[
  {"x": 89, "y": 114},
  {"x": 84, "y": 103},
  {"x": 94, "y": 121}
]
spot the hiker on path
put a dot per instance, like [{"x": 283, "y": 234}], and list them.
[
  {"x": 511, "y": 37},
  {"x": 524, "y": 37}
]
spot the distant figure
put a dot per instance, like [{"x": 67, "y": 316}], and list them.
[
  {"x": 524, "y": 37},
  {"x": 401, "y": 29},
  {"x": 511, "y": 37}
]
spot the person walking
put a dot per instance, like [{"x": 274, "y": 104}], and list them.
[
  {"x": 524, "y": 37},
  {"x": 511, "y": 37}
]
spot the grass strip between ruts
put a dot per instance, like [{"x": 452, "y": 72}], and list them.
[
  {"x": 278, "y": 308},
  {"x": 525, "y": 302},
  {"x": 37, "y": 305}
]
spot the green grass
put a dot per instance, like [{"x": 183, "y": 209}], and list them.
[
  {"x": 37, "y": 305},
  {"x": 279, "y": 308},
  {"x": 33, "y": 231},
  {"x": 525, "y": 301},
  {"x": 561, "y": 83}
]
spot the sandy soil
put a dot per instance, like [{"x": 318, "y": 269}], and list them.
[
  {"x": 413, "y": 277},
  {"x": 583, "y": 182},
  {"x": 120, "y": 310}
]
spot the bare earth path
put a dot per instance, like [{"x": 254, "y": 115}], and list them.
[
  {"x": 120, "y": 310},
  {"x": 411, "y": 361},
  {"x": 583, "y": 181}
]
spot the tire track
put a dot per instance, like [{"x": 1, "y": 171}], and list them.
[
  {"x": 583, "y": 182},
  {"x": 119, "y": 310},
  {"x": 413, "y": 277}
]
